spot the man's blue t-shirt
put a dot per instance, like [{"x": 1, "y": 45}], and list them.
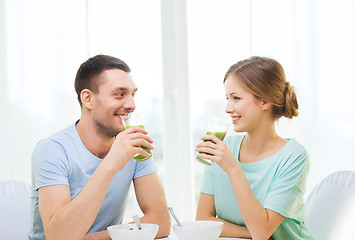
[
  {"x": 63, "y": 159},
  {"x": 278, "y": 182}
]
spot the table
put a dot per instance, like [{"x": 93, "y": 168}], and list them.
[
  {"x": 221, "y": 238},
  {"x": 173, "y": 237}
]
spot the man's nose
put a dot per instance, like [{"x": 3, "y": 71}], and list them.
[{"x": 129, "y": 103}]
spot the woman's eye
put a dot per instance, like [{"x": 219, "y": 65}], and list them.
[{"x": 234, "y": 98}]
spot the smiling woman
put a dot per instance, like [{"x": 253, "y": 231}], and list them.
[{"x": 257, "y": 180}]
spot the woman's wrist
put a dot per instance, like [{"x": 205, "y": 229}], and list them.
[{"x": 234, "y": 171}]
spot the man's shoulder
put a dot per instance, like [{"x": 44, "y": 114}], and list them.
[
  {"x": 59, "y": 138},
  {"x": 62, "y": 135}
]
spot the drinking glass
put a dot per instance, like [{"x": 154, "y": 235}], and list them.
[
  {"x": 135, "y": 119},
  {"x": 217, "y": 127}
]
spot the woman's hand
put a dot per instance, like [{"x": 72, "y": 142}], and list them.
[{"x": 219, "y": 153}]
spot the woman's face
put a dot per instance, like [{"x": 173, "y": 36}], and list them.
[{"x": 244, "y": 108}]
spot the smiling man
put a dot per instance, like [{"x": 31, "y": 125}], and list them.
[{"x": 81, "y": 175}]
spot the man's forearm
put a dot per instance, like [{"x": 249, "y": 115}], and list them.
[
  {"x": 163, "y": 221},
  {"x": 102, "y": 235},
  {"x": 73, "y": 220}
]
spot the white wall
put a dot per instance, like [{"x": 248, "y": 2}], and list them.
[{"x": 313, "y": 40}]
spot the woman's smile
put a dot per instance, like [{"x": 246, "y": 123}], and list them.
[{"x": 235, "y": 119}]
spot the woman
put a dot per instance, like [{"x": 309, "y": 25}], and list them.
[{"x": 257, "y": 181}]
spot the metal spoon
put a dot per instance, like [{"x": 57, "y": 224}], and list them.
[
  {"x": 137, "y": 221},
  {"x": 171, "y": 210}
]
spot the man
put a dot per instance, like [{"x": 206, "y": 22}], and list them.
[{"x": 81, "y": 175}]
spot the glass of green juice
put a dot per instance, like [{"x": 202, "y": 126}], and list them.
[
  {"x": 219, "y": 128},
  {"x": 136, "y": 119}
]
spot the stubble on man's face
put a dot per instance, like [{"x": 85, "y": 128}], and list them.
[
  {"x": 106, "y": 125},
  {"x": 105, "y": 131}
]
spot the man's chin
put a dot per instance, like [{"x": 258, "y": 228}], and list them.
[
  {"x": 120, "y": 130},
  {"x": 117, "y": 131}
]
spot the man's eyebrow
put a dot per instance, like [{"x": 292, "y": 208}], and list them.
[{"x": 123, "y": 89}]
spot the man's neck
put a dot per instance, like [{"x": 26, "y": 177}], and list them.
[{"x": 98, "y": 145}]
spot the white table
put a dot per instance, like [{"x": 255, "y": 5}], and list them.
[
  {"x": 173, "y": 237},
  {"x": 221, "y": 238}
]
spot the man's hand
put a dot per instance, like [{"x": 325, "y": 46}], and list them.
[
  {"x": 102, "y": 235},
  {"x": 151, "y": 199},
  {"x": 126, "y": 145}
]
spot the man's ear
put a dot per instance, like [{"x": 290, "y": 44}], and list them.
[{"x": 86, "y": 97}]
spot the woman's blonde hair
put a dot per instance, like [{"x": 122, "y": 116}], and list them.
[{"x": 265, "y": 79}]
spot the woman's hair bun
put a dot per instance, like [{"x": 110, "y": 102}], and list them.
[{"x": 291, "y": 104}]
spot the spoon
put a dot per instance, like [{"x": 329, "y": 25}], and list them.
[
  {"x": 137, "y": 221},
  {"x": 171, "y": 210}
]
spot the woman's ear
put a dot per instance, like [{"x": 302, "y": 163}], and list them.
[
  {"x": 265, "y": 105},
  {"x": 86, "y": 97}
]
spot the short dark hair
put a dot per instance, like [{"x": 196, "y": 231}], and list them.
[{"x": 87, "y": 76}]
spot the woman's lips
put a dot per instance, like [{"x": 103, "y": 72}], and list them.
[{"x": 235, "y": 119}]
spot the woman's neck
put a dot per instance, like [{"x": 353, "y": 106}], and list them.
[{"x": 261, "y": 144}]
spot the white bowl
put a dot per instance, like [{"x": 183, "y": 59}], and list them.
[
  {"x": 131, "y": 232},
  {"x": 198, "y": 230}
]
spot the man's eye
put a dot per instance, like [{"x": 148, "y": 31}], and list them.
[{"x": 119, "y": 94}]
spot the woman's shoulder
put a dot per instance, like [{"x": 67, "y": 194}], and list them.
[
  {"x": 234, "y": 138},
  {"x": 294, "y": 147},
  {"x": 294, "y": 154},
  {"x": 233, "y": 141}
]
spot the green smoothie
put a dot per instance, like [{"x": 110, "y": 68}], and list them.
[
  {"x": 138, "y": 157},
  {"x": 221, "y": 136}
]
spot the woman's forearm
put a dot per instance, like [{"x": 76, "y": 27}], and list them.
[
  {"x": 256, "y": 217},
  {"x": 229, "y": 229}
]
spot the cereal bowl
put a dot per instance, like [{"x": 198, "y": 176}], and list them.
[
  {"x": 131, "y": 232},
  {"x": 195, "y": 230}
]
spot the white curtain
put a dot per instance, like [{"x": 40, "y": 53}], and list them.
[
  {"x": 41, "y": 47},
  {"x": 314, "y": 41}
]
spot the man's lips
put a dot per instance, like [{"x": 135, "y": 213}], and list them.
[{"x": 121, "y": 116}]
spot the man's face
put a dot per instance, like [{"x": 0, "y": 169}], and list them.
[{"x": 115, "y": 98}]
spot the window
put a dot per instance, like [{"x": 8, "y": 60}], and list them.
[
  {"x": 218, "y": 36},
  {"x": 131, "y": 31}
]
